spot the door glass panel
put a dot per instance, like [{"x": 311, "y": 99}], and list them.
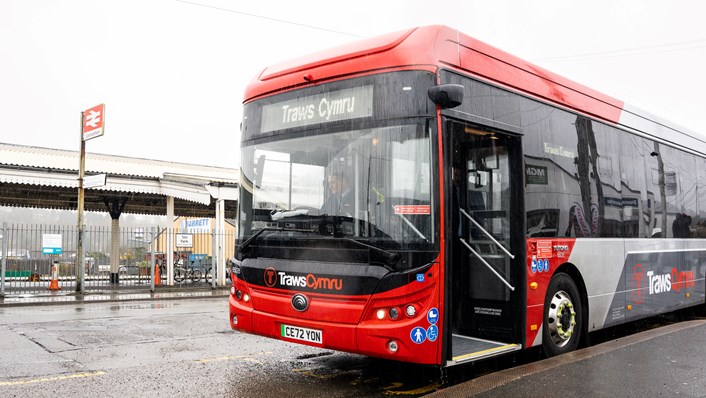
[
  {"x": 487, "y": 199},
  {"x": 488, "y": 190}
]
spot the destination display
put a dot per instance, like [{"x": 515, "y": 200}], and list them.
[{"x": 352, "y": 103}]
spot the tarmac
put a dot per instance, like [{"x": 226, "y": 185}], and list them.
[{"x": 669, "y": 361}]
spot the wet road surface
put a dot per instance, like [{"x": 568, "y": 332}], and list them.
[
  {"x": 177, "y": 348},
  {"x": 186, "y": 348}
]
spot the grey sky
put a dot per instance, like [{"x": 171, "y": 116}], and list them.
[{"x": 172, "y": 73}]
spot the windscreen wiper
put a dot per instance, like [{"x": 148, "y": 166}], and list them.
[
  {"x": 391, "y": 258},
  {"x": 251, "y": 239}
]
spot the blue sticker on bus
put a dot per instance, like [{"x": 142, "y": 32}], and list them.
[
  {"x": 432, "y": 332},
  {"x": 433, "y": 316},
  {"x": 546, "y": 265},
  {"x": 420, "y": 277},
  {"x": 534, "y": 266},
  {"x": 418, "y": 335}
]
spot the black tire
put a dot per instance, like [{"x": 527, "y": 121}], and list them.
[
  {"x": 563, "y": 325},
  {"x": 179, "y": 275},
  {"x": 195, "y": 275},
  {"x": 209, "y": 276}
]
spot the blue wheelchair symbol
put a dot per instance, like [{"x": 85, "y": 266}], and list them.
[{"x": 432, "y": 333}]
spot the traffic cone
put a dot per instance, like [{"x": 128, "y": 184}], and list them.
[
  {"x": 54, "y": 284},
  {"x": 157, "y": 279}
]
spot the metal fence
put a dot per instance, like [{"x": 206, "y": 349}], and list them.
[{"x": 29, "y": 254}]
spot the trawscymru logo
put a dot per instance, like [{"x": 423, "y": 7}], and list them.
[
  {"x": 310, "y": 281},
  {"x": 659, "y": 283}
]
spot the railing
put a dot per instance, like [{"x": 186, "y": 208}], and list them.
[
  {"x": 27, "y": 263},
  {"x": 478, "y": 255}
]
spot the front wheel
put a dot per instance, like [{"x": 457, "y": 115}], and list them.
[
  {"x": 563, "y": 316},
  {"x": 179, "y": 275}
]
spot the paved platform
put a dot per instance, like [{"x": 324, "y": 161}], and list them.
[
  {"x": 108, "y": 295},
  {"x": 668, "y": 361}
]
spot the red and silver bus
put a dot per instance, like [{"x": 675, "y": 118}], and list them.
[{"x": 425, "y": 197}]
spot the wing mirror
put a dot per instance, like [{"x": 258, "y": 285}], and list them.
[{"x": 446, "y": 95}]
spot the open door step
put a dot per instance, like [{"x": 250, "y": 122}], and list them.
[{"x": 465, "y": 348}]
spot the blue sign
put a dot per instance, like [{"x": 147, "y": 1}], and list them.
[
  {"x": 420, "y": 277},
  {"x": 546, "y": 265},
  {"x": 196, "y": 257},
  {"x": 534, "y": 265},
  {"x": 51, "y": 243},
  {"x": 432, "y": 332},
  {"x": 199, "y": 224},
  {"x": 418, "y": 335},
  {"x": 433, "y": 316}
]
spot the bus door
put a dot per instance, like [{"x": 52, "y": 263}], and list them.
[{"x": 487, "y": 249}]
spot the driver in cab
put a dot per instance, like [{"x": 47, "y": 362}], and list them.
[{"x": 340, "y": 196}]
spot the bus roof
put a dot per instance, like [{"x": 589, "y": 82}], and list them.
[{"x": 434, "y": 47}]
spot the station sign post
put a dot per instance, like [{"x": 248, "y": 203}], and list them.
[{"x": 92, "y": 126}]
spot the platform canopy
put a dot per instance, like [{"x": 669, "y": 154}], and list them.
[{"x": 46, "y": 178}]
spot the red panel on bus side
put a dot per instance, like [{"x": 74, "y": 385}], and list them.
[{"x": 544, "y": 256}]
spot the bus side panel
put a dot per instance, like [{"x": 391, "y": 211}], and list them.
[
  {"x": 663, "y": 275},
  {"x": 625, "y": 279}
]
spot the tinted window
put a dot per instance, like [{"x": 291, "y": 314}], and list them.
[
  {"x": 541, "y": 206},
  {"x": 700, "y": 221},
  {"x": 587, "y": 179},
  {"x": 657, "y": 190},
  {"x": 637, "y": 201},
  {"x": 605, "y": 170}
]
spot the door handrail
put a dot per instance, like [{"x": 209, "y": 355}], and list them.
[
  {"x": 490, "y": 267},
  {"x": 487, "y": 234}
]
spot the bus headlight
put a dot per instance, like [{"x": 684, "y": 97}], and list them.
[{"x": 410, "y": 311}]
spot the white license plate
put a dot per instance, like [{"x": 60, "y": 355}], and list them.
[{"x": 302, "y": 334}]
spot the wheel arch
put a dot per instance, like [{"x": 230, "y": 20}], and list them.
[{"x": 573, "y": 272}]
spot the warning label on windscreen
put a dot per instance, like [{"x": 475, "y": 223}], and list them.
[{"x": 411, "y": 209}]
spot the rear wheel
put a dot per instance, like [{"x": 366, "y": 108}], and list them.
[{"x": 563, "y": 316}]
